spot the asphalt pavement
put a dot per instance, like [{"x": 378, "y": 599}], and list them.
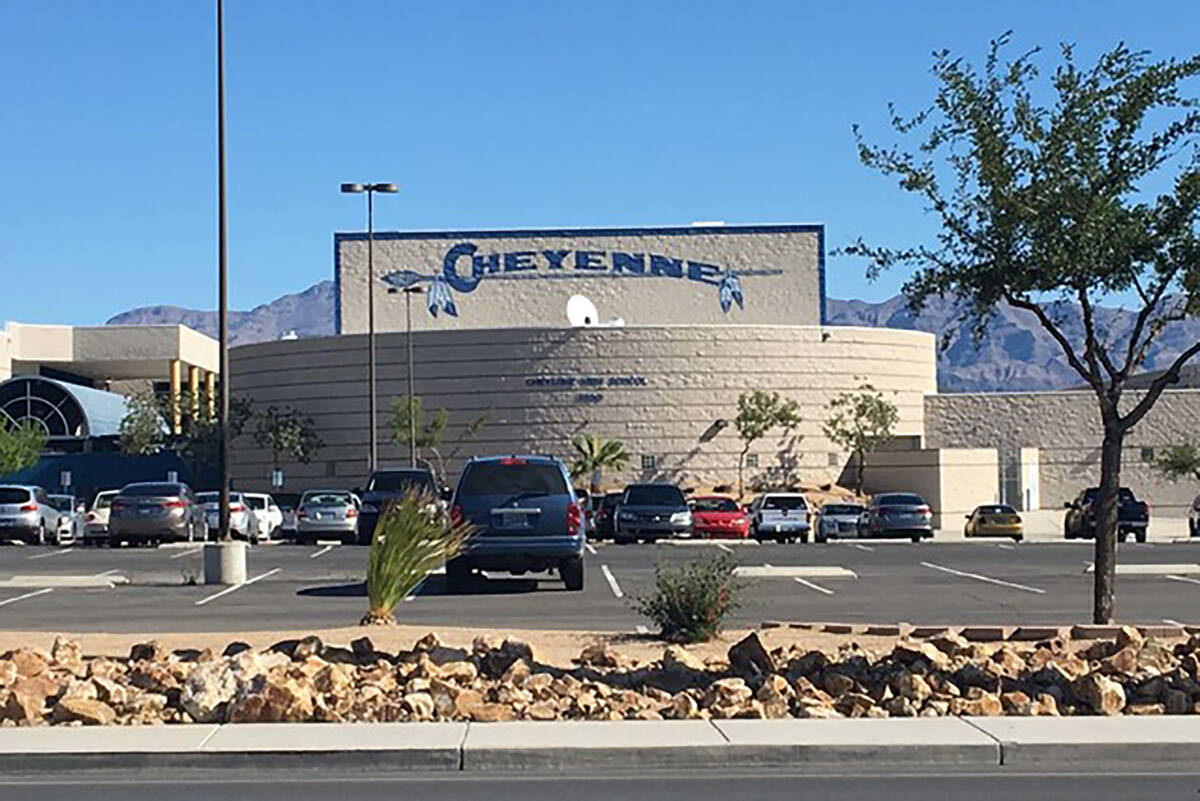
[
  {"x": 295, "y": 587},
  {"x": 1183, "y": 783}
]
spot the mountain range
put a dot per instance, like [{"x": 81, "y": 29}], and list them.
[{"x": 1014, "y": 352}]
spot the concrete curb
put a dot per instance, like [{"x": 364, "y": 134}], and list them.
[
  {"x": 574, "y": 746},
  {"x": 980, "y": 633}
]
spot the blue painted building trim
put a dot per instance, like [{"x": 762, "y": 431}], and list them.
[{"x": 529, "y": 233}]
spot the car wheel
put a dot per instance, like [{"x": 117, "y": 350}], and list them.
[
  {"x": 41, "y": 533},
  {"x": 916, "y": 538},
  {"x": 571, "y": 572},
  {"x": 458, "y": 575},
  {"x": 1192, "y": 528},
  {"x": 1018, "y": 538},
  {"x": 1140, "y": 536}
]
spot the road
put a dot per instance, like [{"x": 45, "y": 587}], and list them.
[
  {"x": 249, "y": 784},
  {"x": 296, "y": 587}
]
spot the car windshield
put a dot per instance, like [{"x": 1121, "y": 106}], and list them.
[
  {"x": 714, "y": 505},
  {"x": 151, "y": 490},
  {"x": 327, "y": 499},
  {"x": 900, "y": 499},
  {"x": 788, "y": 502},
  {"x": 513, "y": 477},
  {"x": 841, "y": 509},
  {"x": 613, "y": 499},
  {"x": 104, "y": 501},
  {"x": 997, "y": 509},
  {"x": 256, "y": 503},
  {"x": 658, "y": 495},
  {"x": 63, "y": 503},
  {"x": 400, "y": 481},
  {"x": 13, "y": 495}
]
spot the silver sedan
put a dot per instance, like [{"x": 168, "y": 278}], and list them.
[{"x": 327, "y": 514}]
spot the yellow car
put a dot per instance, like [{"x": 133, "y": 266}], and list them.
[{"x": 994, "y": 520}]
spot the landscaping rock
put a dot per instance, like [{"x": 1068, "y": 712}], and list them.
[
  {"x": 87, "y": 711},
  {"x": 1100, "y": 694},
  {"x": 152, "y": 651},
  {"x": 207, "y": 692},
  {"x": 750, "y": 659}
]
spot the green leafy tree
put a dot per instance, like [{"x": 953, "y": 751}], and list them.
[
  {"x": 148, "y": 424},
  {"x": 411, "y": 538},
  {"x": 288, "y": 434},
  {"x": 1088, "y": 196},
  {"x": 758, "y": 414},
  {"x": 1181, "y": 461},
  {"x": 21, "y": 445},
  {"x": 861, "y": 422},
  {"x": 594, "y": 455},
  {"x": 144, "y": 428},
  {"x": 404, "y": 412}
]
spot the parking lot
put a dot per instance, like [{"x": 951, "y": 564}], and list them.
[{"x": 296, "y": 587}]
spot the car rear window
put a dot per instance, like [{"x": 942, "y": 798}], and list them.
[
  {"x": 997, "y": 509},
  {"x": 62, "y": 503},
  {"x": 901, "y": 499},
  {"x": 613, "y": 499},
  {"x": 256, "y": 503},
  {"x": 13, "y": 495},
  {"x": 714, "y": 505},
  {"x": 401, "y": 481},
  {"x": 842, "y": 509},
  {"x": 1124, "y": 495},
  {"x": 654, "y": 496},
  {"x": 151, "y": 490},
  {"x": 513, "y": 478},
  {"x": 788, "y": 502},
  {"x": 327, "y": 499},
  {"x": 105, "y": 501}
]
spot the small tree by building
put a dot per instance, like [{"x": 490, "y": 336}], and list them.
[
  {"x": 1181, "y": 461},
  {"x": 147, "y": 428},
  {"x": 861, "y": 422},
  {"x": 287, "y": 434},
  {"x": 1088, "y": 196},
  {"x": 594, "y": 455},
  {"x": 759, "y": 413},
  {"x": 406, "y": 416},
  {"x": 20, "y": 445}
]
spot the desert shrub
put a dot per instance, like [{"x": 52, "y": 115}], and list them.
[
  {"x": 689, "y": 602},
  {"x": 411, "y": 538}
]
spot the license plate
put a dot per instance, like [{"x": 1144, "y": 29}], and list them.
[
  {"x": 513, "y": 519},
  {"x": 146, "y": 511}
]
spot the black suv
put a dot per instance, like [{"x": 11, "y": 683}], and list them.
[
  {"x": 1133, "y": 516},
  {"x": 389, "y": 485},
  {"x": 526, "y": 519},
  {"x": 650, "y": 511}
]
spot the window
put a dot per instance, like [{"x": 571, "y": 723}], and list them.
[
  {"x": 751, "y": 460},
  {"x": 649, "y": 461},
  {"x": 835, "y": 459},
  {"x": 513, "y": 477},
  {"x": 654, "y": 495},
  {"x": 1147, "y": 454}
]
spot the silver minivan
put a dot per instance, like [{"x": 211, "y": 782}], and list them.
[{"x": 26, "y": 514}]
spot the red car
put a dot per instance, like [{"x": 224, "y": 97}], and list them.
[{"x": 715, "y": 516}]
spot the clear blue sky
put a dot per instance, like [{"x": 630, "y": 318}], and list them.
[{"x": 488, "y": 114}]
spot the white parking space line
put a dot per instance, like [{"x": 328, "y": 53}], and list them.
[
  {"x": 1006, "y": 547},
  {"x": 724, "y": 547},
  {"x": 863, "y": 547},
  {"x": 812, "y": 586},
  {"x": 1183, "y": 578},
  {"x": 1150, "y": 570},
  {"x": 106, "y": 572},
  {"x": 321, "y": 552},
  {"x": 612, "y": 581},
  {"x": 987, "y": 579},
  {"x": 228, "y": 590},
  {"x": 792, "y": 571},
  {"x": 51, "y": 553},
  {"x": 640, "y": 629},
  {"x": 182, "y": 554},
  {"x": 33, "y": 594},
  {"x": 590, "y": 549},
  {"x": 1170, "y": 622}
]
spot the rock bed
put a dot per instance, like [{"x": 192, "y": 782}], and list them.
[{"x": 495, "y": 680}]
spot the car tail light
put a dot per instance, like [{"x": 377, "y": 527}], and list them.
[
  {"x": 922, "y": 510},
  {"x": 456, "y": 515},
  {"x": 512, "y": 460},
  {"x": 29, "y": 507},
  {"x": 574, "y": 517},
  {"x": 91, "y": 517},
  {"x": 175, "y": 504},
  {"x": 237, "y": 507},
  {"x": 351, "y": 512}
]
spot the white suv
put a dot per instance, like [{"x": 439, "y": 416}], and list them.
[{"x": 268, "y": 514}]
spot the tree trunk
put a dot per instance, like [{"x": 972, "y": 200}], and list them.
[
  {"x": 1104, "y": 578},
  {"x": 741, "y": 462},
  {"x": 595, "y": 487},
  {"x": 859, "y": 469}
]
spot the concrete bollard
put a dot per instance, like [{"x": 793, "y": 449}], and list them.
[{"x": 225, "y": 562}]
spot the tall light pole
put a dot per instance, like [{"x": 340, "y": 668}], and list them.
[
  {"x": 409, "y": 291},
  {"x": 222, "y": 282},
  {"x": 370, "y": 190}
]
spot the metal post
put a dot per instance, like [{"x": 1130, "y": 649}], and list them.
[
  {"x": 223, "y": 282},
  {"x": 371, "y": 326},
  {"x": 412, "y": 399}
]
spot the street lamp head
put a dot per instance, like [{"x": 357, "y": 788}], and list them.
[
  {"x": 388, "y": 188},
  {"x": 414, "y": 289},
  {"x": 353, "y": 188}
]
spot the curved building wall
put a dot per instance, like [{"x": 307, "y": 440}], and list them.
[{"x": 661, "y": 390}]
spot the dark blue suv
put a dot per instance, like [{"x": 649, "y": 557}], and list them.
[{"x": 526, "y": 518}]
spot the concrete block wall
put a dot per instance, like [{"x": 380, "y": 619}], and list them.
[
  {"x": 1065, "y": 427},
  {"x": 662, "y": 390},
  {"x": 954, "y": 480}
]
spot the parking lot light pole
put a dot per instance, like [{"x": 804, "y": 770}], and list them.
[
  {"x": 409, "y": 291},
  {"x": 370, "y": 190}
]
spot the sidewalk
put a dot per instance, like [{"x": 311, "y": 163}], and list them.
[{"x": 573, "y": 747}]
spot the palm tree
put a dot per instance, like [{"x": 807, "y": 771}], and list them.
[{"x": 594, "y": 455}]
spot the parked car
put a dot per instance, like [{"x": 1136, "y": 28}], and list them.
[
  {"x": 156, "y": 511},
  {"x": 717, "y": 516},
  {"x": 526, "y": 518},
  {"x": 649, "y": 512},
  {"x": 836, "y": 520},
  {"x": 589, "y": 513},
  {"x": 994, "y": 520},
  {"x": 243, "y": 525},
  {"x": 782, "y": 516},
  {"x": 389, "y": 485},
  {"x": 897, "y": 514},
  {"x": 95, "y": 523},
  {"x": 327, "y": 514},
  {"x": 1194, "y": 518},
  {"x": 27, "y": 514},
  {"x": 69, "y": 519},
  {"x": 289, "y": 504},
  {"x": 606, "y": 515},
  {"x": 1133, "y": 516},
  {"x": 268, "y": 517}
]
